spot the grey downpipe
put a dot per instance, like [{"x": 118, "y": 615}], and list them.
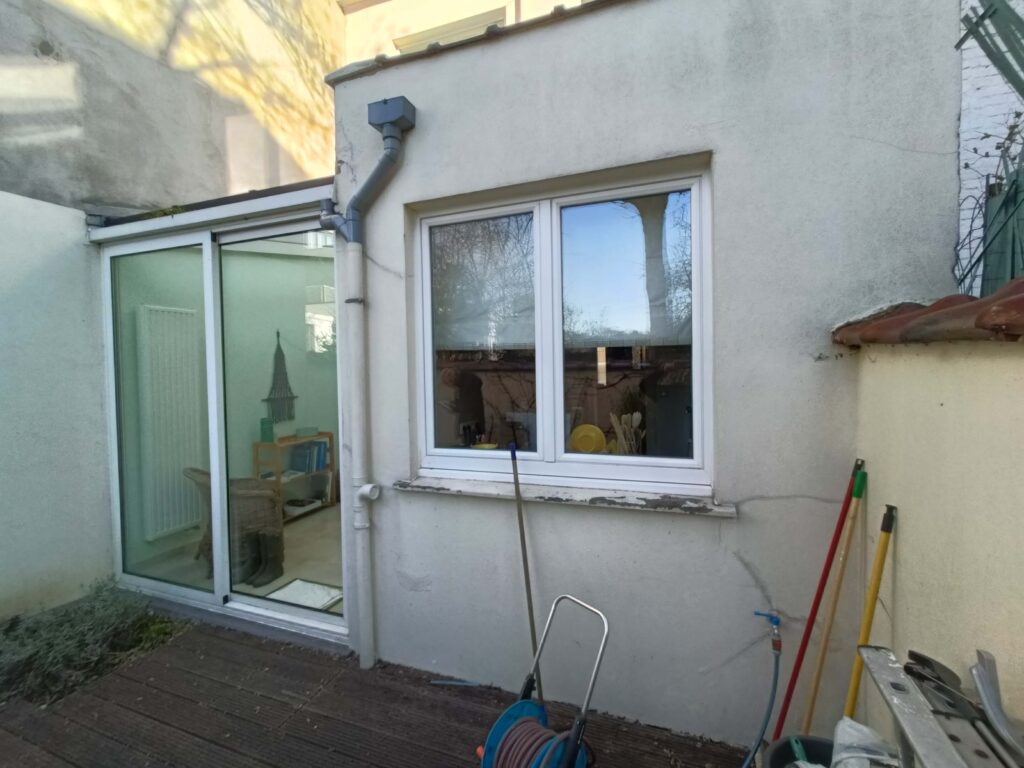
[
  {"x": 350, "y": 226},
  {"x": 391, "y": 117}
]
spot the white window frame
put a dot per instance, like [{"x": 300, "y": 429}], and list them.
[{"x": 551, "y": 464}]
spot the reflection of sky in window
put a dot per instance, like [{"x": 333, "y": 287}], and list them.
[{"x": 604, "y": 264}]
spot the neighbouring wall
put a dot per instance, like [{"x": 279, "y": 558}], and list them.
[
  {"x": 114, "y": 106},
  {"x": 372, "y": 28},
  {"x": 940, "y": 427},
  {"x": 832, "y": 133},
  {"x": 54, "y": 469}
]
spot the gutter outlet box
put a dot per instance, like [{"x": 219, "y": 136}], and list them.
[{"x": 398, "y": 111}]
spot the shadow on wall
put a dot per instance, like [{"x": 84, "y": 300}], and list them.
[{"x": 116, "y": 106}]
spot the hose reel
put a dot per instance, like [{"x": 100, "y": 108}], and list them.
[{"x": 521, "y": 738}]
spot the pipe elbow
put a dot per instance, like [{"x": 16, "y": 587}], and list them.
[
  {"x": 333, "y": 222},
  {"x": 330, "y": 219}
]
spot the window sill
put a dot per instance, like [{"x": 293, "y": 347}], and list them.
[{"x": 579, "y": 497}]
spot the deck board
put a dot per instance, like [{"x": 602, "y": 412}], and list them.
[
  {"x": 216, "y": 697},
  {"x": 150, "y": 736},
  {"x": 69, "y": 741},
  {"x": 16, "y": 751}
]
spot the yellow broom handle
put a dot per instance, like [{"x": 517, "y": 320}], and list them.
[
  {"x": 888, "y": 520},
  {"x": 830, "y": 612}
]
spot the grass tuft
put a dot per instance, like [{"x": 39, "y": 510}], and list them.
[{"x": 45, "y": 656}]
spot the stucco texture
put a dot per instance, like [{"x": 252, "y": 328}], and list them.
[
  {"x": 941, "y": 425},
  {"x": 832, "y": 133},
  {"x": 54, "y": 455}
]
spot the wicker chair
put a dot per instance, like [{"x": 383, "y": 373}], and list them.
[{"x": 254, "y": 506}]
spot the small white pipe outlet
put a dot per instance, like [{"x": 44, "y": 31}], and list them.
[{"x": 368, "y": 492}]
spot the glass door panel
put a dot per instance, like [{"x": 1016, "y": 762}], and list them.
[
  {"x": 281, "y": 419},
  {"x": 160, "y": 380}
]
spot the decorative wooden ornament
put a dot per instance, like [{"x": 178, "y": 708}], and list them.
[{"x": 281, "y": 400}]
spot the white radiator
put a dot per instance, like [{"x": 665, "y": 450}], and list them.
[{"x": 171, "y": 424}]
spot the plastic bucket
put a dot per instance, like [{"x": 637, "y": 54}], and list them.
[{"x": 780, "y": 753}]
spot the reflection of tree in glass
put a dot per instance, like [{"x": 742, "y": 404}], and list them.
[
  {"x": 679, "y": 265},
  {"x": 667, "y": 269},
  {"x": 665, "y": 222},
  {"x": 482, "y": 277}
]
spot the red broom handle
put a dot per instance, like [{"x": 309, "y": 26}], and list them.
[{"x": 858, "y": 465}]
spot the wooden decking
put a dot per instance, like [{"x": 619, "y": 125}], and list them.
[{"x": 216, "y": 698}]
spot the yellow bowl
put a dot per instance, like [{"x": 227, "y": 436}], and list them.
[
  {"x": 484, "y": 446},
  {"x": 587, "y": 438}
]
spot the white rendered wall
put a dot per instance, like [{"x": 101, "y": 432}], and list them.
[
  {"x": 54, "y": 467},
  {"x": 832, "y": 133}
]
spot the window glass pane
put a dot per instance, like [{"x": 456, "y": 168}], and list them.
[
  {"x": 160, "y": 374},
  {"x": 482, "y": 291},
  {"x": 627, "y": 300}
]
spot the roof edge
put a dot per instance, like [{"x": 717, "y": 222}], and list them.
[
  {"x": 253, "y": 194},
  {"x": 366, "y": 67}
]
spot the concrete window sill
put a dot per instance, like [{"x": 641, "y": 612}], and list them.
[{"x": 577, "y": 497}]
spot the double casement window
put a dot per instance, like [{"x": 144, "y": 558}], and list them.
[{"x": 576, "y": 327}]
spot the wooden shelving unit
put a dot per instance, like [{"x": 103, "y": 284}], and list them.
[{"x": 270, "y": 461}]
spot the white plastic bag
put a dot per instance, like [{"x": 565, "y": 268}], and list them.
[{"x": 857, "y": 746}]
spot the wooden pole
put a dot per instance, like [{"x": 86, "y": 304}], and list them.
[
  {"x": 830, "y": 611},
  {"x": 819, "y": 593},
  {"x": 888, "y": 521}
]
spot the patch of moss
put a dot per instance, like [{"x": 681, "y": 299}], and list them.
[{"x": 45, "y": 656}]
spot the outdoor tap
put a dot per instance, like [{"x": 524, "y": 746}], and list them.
[{"x": 773, "y": 618}]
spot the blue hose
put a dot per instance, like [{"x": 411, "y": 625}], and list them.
[{"x": 771, "y": 706}]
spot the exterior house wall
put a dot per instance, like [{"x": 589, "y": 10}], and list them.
[
  {"x": 833, "y": 149},
  {"x": 940, "y": 425},
  {"x": 54, "y": 453}
]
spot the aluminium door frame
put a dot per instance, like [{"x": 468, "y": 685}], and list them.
[{"x": 233, "y": 222}]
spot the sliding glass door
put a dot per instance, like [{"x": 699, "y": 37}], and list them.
[
  {"x": 225, "y": 389},
  {"x": 281, "y": 418}
]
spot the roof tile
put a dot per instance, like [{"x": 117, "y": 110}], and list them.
[
  {"x": 1005, "y": 316},
  {"x": 952, "y": 318},
  {"x": 849, "y": 334},
  {"x": 890, "y": 330}
]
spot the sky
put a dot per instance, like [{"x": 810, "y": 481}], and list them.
[{"x": 603, "y": 262}]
